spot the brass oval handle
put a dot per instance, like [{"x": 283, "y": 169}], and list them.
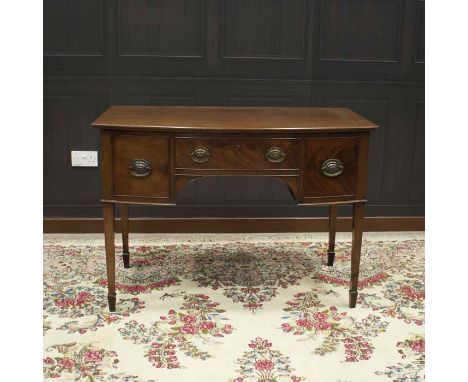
[
  {"x": 200, "y": 154},
  {"x": 140, "y": 168},
  {"x": 275, "y": 155},
  {"x": 332, "y": 168}
]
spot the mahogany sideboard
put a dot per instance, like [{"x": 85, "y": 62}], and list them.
[{"x": 149, "y": 153}]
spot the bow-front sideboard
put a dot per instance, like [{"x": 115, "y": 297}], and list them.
[{"x": 149, "y": 153}]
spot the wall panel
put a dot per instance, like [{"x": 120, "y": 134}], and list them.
[
  {"x": 161, "y": 28},
  {"x": 73, "y": 28},
  {"x": 265, "y": 38},
  {"x": 75, "y": 37},
  {"x": 364, "y": 30},
  {"x": 264, "y": 28},
  {"x": 417, "y": 174},
  {"x": 419, "y": 34},
  {"x": 66, "y": 120},
  {"x": 364, "y": 54}
]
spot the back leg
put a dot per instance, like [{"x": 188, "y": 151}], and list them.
[
  {"x": 332, "y": 233},
  {"x": 124, "y": 220}
]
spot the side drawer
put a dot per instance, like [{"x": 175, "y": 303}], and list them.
[
  {"x": 237, "y": 153},
  {"x": 330, "y": 166},
  {"x": 141, "y": 166}
]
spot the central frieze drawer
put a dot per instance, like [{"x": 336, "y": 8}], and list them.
[{"x": 237, "y": 154}]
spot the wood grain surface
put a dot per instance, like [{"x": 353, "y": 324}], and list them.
[{"x": 232, "y": 119}]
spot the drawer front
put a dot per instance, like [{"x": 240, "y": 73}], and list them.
[
  {"x": 141, "y": 166},
  {"x": 330, "y": 167},
  {"x": 237, "y": 154}
]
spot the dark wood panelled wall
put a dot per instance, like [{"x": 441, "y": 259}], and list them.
[{"x": 364, "y": 54}]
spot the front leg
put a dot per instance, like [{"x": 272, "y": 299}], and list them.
[
  {"x": 358, "y": 225},
  {"x": 109, "y": 215},
  {"x": 125, "y": 228}
]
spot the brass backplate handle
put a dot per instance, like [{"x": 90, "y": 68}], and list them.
[
  {"x": 200, "y": 154},
  {"x": 140, "y": 168},
  {"x": 332, "y": 168},
  {"x": 275, "y": 155}
]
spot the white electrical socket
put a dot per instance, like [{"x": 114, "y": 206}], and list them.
[{"x": 84, "y": 158}]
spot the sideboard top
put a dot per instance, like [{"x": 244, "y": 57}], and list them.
[{"x": 232, "y": 119}]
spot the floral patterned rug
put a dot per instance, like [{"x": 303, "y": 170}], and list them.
[{"x": 235, "y": 310}]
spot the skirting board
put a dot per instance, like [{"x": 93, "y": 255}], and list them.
[{"x": 234, "y": 225}]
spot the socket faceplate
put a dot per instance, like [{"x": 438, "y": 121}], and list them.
[{"x": 84, "y": 159}]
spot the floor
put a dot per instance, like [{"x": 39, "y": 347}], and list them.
[{"x": 233, "y": 307}]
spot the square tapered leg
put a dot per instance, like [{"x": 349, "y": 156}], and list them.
[
  {"x": 125, "y": 229},
  {"x": 332, "y": 233},
  {"x": 358, "y": 225},
  {"x": 109, "y": 215}
]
